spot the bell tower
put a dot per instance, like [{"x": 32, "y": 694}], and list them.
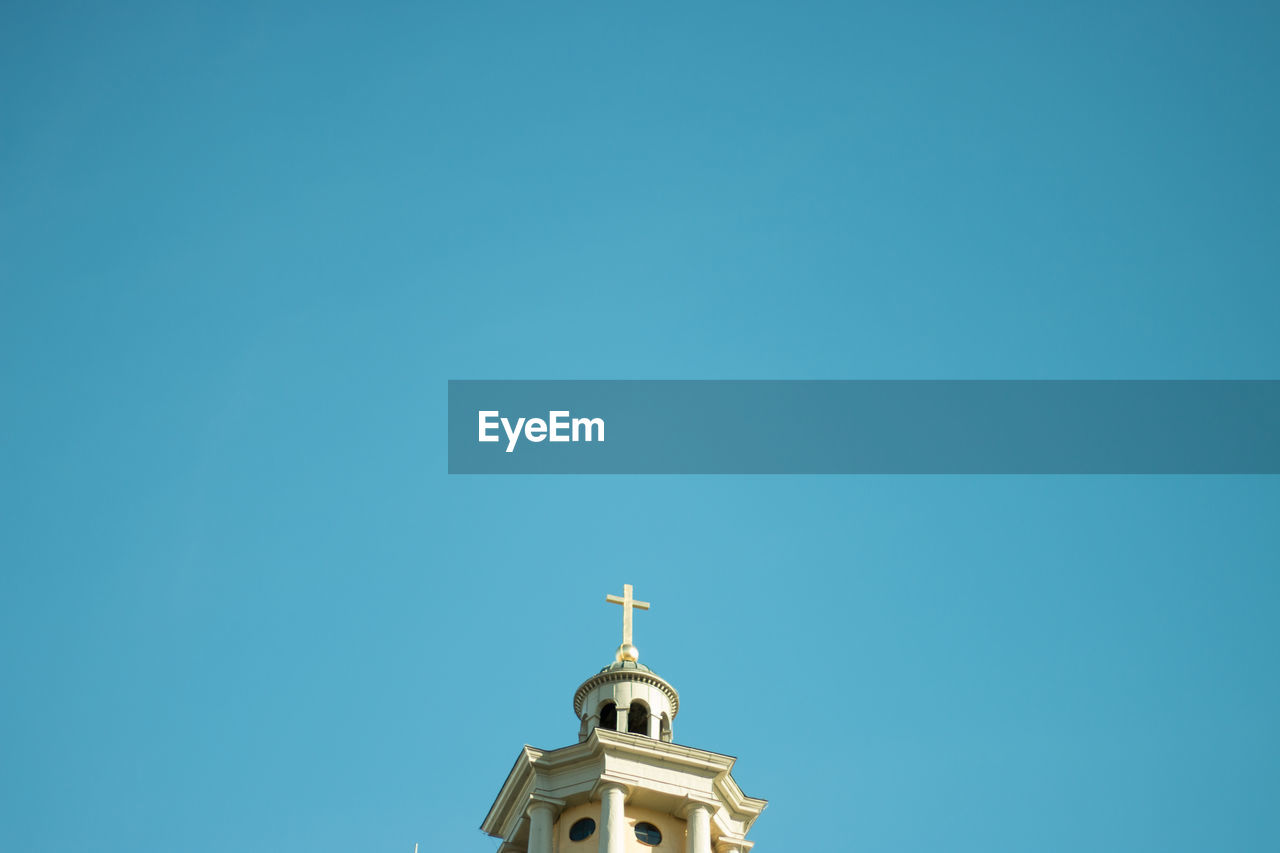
[{"x": 626, "y": 786}]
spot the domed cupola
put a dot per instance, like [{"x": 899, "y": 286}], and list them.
[{"x": 627, "y": 696}]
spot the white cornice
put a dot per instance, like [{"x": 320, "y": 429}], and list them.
[
  {"x": 573, "y": 773},
  {"x": 514, "y": 792},
  {"x": 643, "y": 676}
]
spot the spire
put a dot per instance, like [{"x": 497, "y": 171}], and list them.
[{"x": 625, "y": 785}]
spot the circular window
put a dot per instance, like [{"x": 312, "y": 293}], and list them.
[
  {"x": 647, "y": 833},
  {"x": 582, "y": 829}
]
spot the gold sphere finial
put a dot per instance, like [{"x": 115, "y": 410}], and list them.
[{"x": 626, "y": 651}]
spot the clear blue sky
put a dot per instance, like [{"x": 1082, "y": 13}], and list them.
[{"x": 243, "y": 247}]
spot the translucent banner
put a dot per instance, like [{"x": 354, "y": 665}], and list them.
[{"x": 864, "y": 427}]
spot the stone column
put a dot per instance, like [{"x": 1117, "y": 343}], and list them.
[
  {"x": 655, "y": 725},
  {"x": 613, "y": 821},
  {"x": 698, "y": 829},
  {"x": 622, "y": 718},
  {"x": 541, "y": 816}
]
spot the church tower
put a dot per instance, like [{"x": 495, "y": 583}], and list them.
[{"x": 626, "y": 786}]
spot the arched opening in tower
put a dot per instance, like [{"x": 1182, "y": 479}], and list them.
[
  {"x": 638, "y": 719},
  {"x": 609, "y": 716}
]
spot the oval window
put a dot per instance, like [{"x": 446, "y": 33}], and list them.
[
  {"x": 582, "y": 829},
  {"x": 647, "y": 833}
]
